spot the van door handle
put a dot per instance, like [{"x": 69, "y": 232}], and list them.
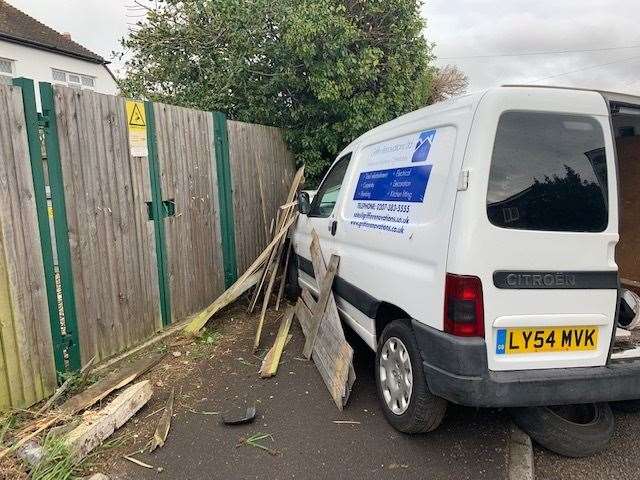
[{"x": 333, "y": 226}]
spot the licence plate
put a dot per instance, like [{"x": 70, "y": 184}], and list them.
[{"x": 535, "y": 340}]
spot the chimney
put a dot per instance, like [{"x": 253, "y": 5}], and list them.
[{"x": 66, "y": 35}]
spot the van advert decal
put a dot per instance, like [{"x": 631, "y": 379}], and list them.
[
  {"x": 394, "y": 185},
  {"x": 386, "y": 198}
]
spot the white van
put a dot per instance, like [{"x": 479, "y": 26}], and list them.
[{"x": 477, "y": 242}]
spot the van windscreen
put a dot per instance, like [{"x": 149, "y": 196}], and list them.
[{"x": 548, "y": 172}]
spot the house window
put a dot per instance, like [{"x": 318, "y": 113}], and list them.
[
  {"x": 74, "y": 80},
  {"x": 6, "y": 70}
]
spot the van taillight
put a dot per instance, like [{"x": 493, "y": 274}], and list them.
[{"x": 463, "y": 306}]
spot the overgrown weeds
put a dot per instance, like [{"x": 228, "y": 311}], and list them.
[{"x": 57, "y": 463}]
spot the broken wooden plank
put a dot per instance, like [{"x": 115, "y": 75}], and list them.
[
  {"x": 85, "y": 399},
  {"x": 308, "y": 300},
  {"x": 267, "y": 293},
  {"x": 303, "y": 313},
  {"x": 272, "y": 359},
  {"x": 110, "y": 383},
  {"x": 238, "y": 288},
  {"x": 295, "y": 184},
  {"x": 162, "y": 429},
  {"x": 331, "y": 353},
  {"x": 62, "y": 389},
  {"x": 283, "y": 280},
  {"x": 270, "y": 266},
  {"x": 100, "y": 425},
  {"x": 325, "y": 288},
  {"x": 138, "y": 462}
]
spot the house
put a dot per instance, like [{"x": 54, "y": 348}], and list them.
[{"x": 30, "y": 49}]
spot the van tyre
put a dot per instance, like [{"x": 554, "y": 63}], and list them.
[
  {"x": 406, "y": 401},
  {"x": 572, "y": 431},
  {"x": 292, "y": 288}
]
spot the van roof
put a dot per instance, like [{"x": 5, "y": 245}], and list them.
[{"x": 472, "y": 99}]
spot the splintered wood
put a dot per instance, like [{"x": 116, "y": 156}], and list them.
[
  {"x": 265, "y": 267},
  {"x": 272, "y": 359},
  {"x": 321, "y": 325},
  {"x": 98, "y": 426}
]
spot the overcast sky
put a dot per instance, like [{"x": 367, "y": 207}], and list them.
[{"x": 489, "y": 29}]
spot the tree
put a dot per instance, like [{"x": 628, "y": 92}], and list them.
[
  {"x": 325, "y": 70},
  {"x": 447, "y": 82}
]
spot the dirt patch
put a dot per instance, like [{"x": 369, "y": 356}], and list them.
[{"x": 181, "y": 370}]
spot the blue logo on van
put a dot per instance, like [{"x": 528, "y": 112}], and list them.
[{"x": 423, "y": 146}]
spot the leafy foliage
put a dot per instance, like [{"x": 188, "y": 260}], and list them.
[{"x": 325, "y": 70}]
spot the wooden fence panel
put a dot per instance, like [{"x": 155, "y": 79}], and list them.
[
  {"x": 111, "y": 238},
  {"x": 188, "y": 176},
  {"x": 262, "y": 169},
  {"x": 27, "y": 369}
]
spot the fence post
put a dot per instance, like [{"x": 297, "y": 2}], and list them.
[
  {"x": 40, "y": 193},
  {"x": 158, "y": 214},
  {"x": 225, "y": 198},
  {"x": 61, "y": 228}
]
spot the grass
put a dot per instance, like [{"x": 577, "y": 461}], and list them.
[
  {"x": 78, "y": 381},
  {"x": 6, "y": 424},
  {"x": 255, "y": 441},
  {"x": 210, "y": 336},
  {"x": 57, "y": 464}
]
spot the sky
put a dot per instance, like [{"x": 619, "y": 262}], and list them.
[{"x": 488, "y": 30}]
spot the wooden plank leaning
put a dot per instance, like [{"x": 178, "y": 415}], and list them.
[
  {"x": 331, "y": 353},
  {"x": 325, "y": 284},
  {"x": 246, "y": 281},
  {"x": 282, "y": 219}
]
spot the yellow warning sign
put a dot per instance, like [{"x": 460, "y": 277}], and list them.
[{"x": 137, "y": 126}]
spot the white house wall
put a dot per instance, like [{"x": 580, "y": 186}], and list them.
[{"x": 37, "y": 64}]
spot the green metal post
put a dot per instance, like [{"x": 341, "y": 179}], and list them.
[
  {"x": 61, "y": 227},
  {"x": 158, "y": 215},
  {"x": 40, "y": 193},
  {"x": 225, "y": 197}
]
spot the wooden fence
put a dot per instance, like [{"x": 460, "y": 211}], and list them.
[
  {"x": 188, "y": 178},
  {"x": 262, "y": 169},
  {"x": 27, "y": 371},
  {"x": 141, "y": 241},
  {"x": 111, "y": 240}
]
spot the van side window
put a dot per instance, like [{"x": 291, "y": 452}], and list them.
[
  {"x": 548, "y": 172},
  {"x": 327, "y": 195}
]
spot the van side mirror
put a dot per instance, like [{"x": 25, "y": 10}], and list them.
[{"x": 304, "y": 203}]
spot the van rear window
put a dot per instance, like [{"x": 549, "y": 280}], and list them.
[{"x": 548, "y": 172}]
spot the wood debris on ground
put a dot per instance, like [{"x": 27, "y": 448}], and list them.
[
  {"x": 83, "y": 400},
  {"x": 97, "y": 426},
  {"x": 272, "y": 358},
  {"x": 138, "y": 462},
  {"x": 66, "y": 385},
  {"x": 162, "y": 429}
]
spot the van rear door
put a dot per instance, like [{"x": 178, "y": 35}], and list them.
[{"x": 544, "y": 240}]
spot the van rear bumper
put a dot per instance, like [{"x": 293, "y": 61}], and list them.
[{"x": 456, "y": 369}]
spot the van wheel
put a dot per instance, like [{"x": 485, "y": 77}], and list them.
[
  {"x": 570, "y": 430},
  {"x": 407, "y": 403}
]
